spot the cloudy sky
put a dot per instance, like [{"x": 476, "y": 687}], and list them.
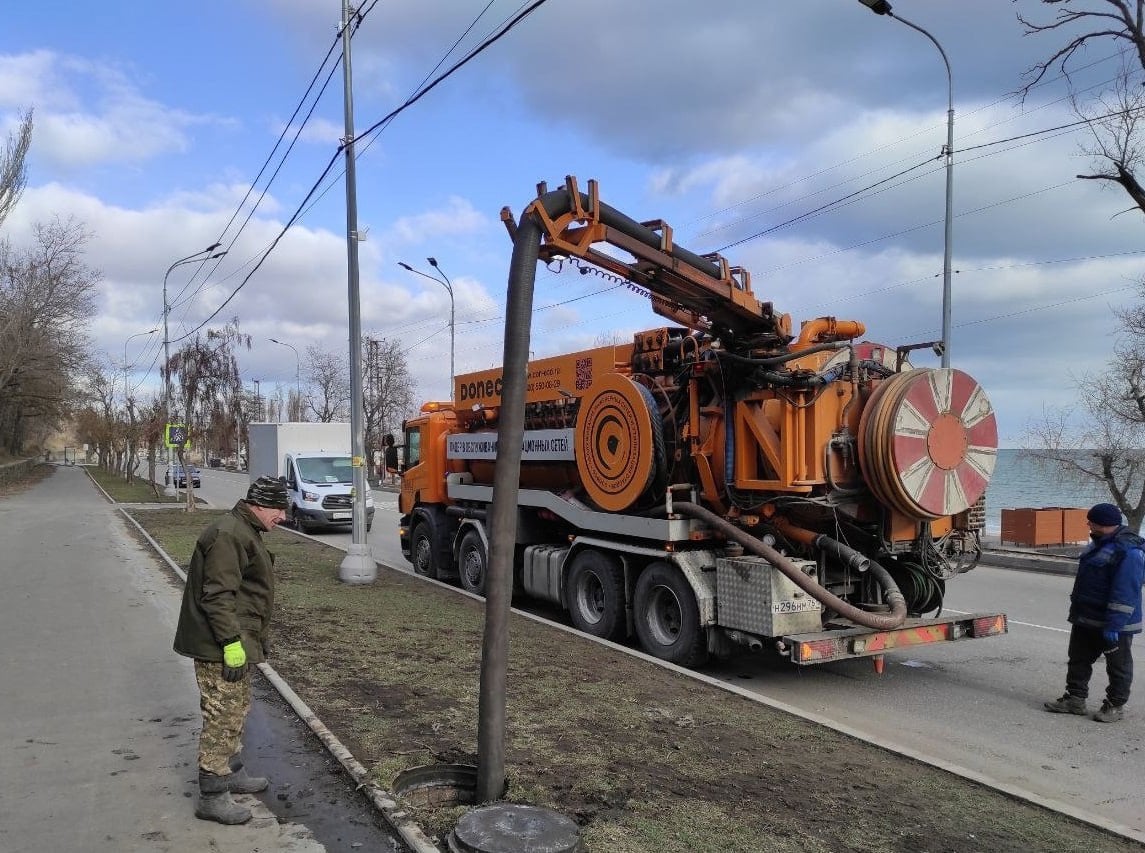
[{"x": 734, "y": 122}]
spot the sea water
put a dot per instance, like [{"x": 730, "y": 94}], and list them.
[{"x": 1020, "y": 481}]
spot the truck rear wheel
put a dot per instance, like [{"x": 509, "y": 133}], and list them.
[
  {"x": 424, "y": 554},
  {"x": 596, "y": 595},
  {"x": 667, "y": 617},
  {"x": 473, "y": 563}
]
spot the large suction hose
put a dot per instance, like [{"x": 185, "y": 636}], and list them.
[{"x": 884, "y": 622}]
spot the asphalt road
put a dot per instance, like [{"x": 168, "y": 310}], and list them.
[{"x": 975, "y": 704}]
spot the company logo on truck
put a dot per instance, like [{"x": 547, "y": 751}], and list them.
[{"x": 482, "y": 391}]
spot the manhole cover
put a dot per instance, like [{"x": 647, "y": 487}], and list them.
[{"x": 509, "y": 828}]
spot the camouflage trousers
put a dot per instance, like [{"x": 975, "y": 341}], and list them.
[{"x": 224, "y": 705}]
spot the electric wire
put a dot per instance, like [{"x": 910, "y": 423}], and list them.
[{"x": 413, "y": 99}]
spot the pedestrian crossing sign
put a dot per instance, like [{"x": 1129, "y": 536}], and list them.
[{"x": 175, "y": 435}]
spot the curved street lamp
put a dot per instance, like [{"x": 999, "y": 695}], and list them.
[
  {"x": 126, "y": 390},
  {"x": 190, "y": 259},
  {"x": 448, "y": 285},
  {"x": 297, "y": 373},
  {"x": 882, "y": 7}
]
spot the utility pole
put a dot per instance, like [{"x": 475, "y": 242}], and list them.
[{"x": 357, "y": 566}]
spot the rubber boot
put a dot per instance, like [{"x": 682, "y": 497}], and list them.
[
  {"x": 215, "y": 801},
  {"x": 241, "y": 782}
]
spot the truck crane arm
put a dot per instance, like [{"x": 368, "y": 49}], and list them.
[{"x": 700, "y": 292}]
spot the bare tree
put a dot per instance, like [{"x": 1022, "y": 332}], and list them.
[
  {"x": 1101, "y": 441},
  {"x": 209, "y": 383},
  {"x": 47, "y": 295},
  {"x": 13, "y": 169},
  {"x": 97, "y": 422},
  {"x": 389, "y": 389},
  {"x": 328, "y": 384},
  {"x": 1112, "y": 116}
]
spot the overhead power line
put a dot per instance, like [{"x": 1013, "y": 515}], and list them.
[{"x": 413, "y": 99}]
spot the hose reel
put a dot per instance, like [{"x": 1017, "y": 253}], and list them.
[
  {"x": 619, "y": 442},
  {"x": 928, "y": 441}
]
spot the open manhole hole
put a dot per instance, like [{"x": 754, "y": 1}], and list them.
[{"x": 437, "y": 785}]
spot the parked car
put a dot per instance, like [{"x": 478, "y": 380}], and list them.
[
  {"x": 215, "y": 462},
  {"x": 175, "y": 474}
]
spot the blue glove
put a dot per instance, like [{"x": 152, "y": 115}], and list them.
[{"x": 1112, "y": 641}]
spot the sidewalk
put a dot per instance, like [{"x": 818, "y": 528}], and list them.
[
  {"x": 98, "y": 716},
  {"x": 1046, "y": 559}
]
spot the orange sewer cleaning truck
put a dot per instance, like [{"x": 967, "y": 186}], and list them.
[{"x": 720, "y": 481}]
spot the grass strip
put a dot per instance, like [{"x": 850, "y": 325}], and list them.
[
  {"x": 137, "y": 491},
  {"x": 642, "y": 758}
]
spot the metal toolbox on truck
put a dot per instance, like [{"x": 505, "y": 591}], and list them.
[{"x": 754, "y": 596}]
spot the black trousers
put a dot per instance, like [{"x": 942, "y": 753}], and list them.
[{"x": 1085, "y": 647}]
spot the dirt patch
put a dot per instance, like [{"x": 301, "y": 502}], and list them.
[
  {"x": 34, "y": 475},
  {"x": 641, "y": 758}
]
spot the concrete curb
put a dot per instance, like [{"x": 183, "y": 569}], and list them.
[
  {"x": 411, "y": 834},
  {"x": 1046, "y": 564}
]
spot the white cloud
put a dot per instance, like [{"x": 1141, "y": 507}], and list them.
[{"x": 457, "y": 217}]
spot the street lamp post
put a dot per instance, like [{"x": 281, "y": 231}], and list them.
[
  {"x": 448, "y": 285},
  {"x": 190, "y": 259},
  {"x": 882, "y": 7},
  {"x": 126, "y": 392},
  {"x": 257, "y": 401},
  {"x": 297, "y": 373}
]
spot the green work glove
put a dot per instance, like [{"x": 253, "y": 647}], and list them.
[{"x": 234, "y": 661}]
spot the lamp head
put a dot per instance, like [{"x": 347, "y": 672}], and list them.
[
  {"x": 404, "y": 265},
  {"x": 879, "y": 7},
  {"x": 432, "y": 262},
  {"x": 212, "y": 247}
]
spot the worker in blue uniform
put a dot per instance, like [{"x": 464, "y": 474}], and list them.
[{"x": 1105, "y": 612}]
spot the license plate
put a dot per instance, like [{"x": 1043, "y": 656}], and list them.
[{"x": 340, "y": 515}]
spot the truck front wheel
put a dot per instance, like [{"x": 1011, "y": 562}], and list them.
[
  {"x": 667, "y": 617},
  {"x": 424, "y": 554},
  {"x": 473, "y": 563},
  {"x": 596, "y": 595}
]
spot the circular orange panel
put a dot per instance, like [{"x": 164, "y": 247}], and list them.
[
  {"x": 614, "y": 443},
  {"x": 946, "y": 441}
]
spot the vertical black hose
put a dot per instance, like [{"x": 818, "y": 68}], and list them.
[{"x": 503, "y": 516}]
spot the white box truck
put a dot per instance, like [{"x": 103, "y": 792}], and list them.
[{"x": 315, "y": 461}]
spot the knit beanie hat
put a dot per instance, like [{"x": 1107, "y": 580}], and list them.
[
  {"x": 1105, "y": 515},
  {"x": 267, "y": 492}
]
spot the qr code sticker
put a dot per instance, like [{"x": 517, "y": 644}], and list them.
[{"x": 583, "y": 373}]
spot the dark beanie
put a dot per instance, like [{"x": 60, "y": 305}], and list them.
[{"x": 1105, "y": 515}]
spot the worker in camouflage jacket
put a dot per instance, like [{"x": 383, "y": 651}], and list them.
[
  {"x": 224, "y": 625},
  {"x": 1105, "y": 611}
]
